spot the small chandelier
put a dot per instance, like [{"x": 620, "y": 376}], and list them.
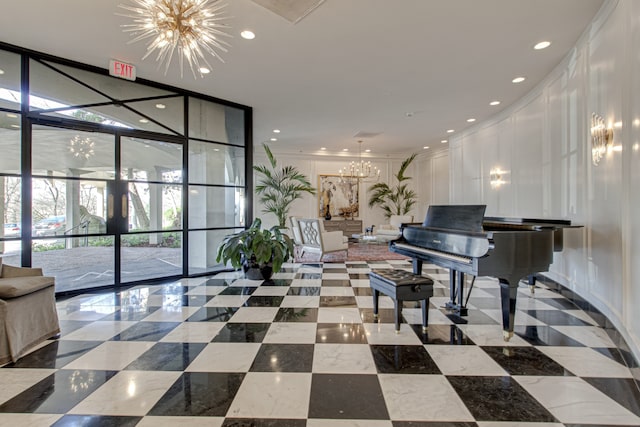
[
  {"x": 360, "y": 170},
  {"x": 81, "y": 147},
  {"x": 192, "y": 27}
]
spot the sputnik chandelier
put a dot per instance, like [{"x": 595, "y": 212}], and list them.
[
  {"x": 192, "y": 27},
  {"x": 360, "y": 170},
  {"x": 81, "y": 147}
]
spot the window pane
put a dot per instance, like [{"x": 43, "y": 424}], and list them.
[
  {"x": 154, "y": 207},
  {"x": 148, "y": 256},
  {"x": 76, "y": 263},
  {"x": 53, "y": 216},
  {"x": 10, "y": 143},
  {"x": 10, "y": 80},
  {"x": 216, "y": 164},
  {"x": 149, "y": 160},
  {"x": 216, "y": 207},
  {"x": 10, "y": 211},
  {"x": 216, "y": 122},
  {"x": 203, "y": 247},
  {"x": 65, "y": 152}
]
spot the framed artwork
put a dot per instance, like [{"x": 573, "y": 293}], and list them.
[{"x": 338, "y": 195}]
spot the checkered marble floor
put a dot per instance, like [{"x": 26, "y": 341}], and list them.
[{"x": 305, "y": 350}]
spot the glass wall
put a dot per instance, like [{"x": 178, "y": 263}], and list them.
[{"x": 124, "y": 184}]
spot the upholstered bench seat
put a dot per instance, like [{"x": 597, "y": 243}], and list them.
[
  {"x": 401, "y": 286},
  {"x": 28, "y": 314}
]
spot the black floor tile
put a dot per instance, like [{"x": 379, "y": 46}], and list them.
[
  {"x": 556, "y": 317},
  {"x": 199, "y": 394},
  {"x": 315, "y": 276},
  {"x": 336, "y": 283},
  {"x": 68, "y": 326},
  {"x": 347, "y": 397},
  {"x": 303, "y": 314},
  {"x": 442, "y": 334},
  {"x": 611, "y": 353},
  {"x": 335, "y": 301},
  {"x": 219, "y": 282},
  {"x": 306, "y": 291},
  {"x": 499, "y": 399},
  {"x": 57, "y": 393},
  {"x": 359, "y": 276},
  {"x": 239, "y": 290},
  {"x": 146, "y": 331},
  {"x": 254, "y": 422},
  {"x": 55, "y": 355},
  {"x": 559, "y": 303},
  {"x": 129, "y": 314},
  {"x": 622, "y": 390},
  {"x": 545, "y": 335},
  {"x": 362, "y": 292},
  {"x": 242, "y": 332},
  {"x": 474, "y": 317},
  {"x": 432, "y": 424},
  {"x": 213, "y": 314},
  {"x": 264, "y": 301},
  {"x": 283, "y": 358},
  {"x": 167, "y": 356},
  {"x": 385, "y": 315},
  {"x": 96, "y": 421},
  {"x": 341, "y": 333},
  {"x": 525, "y": 361},
  {"x": 277, "y": 282},
  {"x": 403, "y": 359}
]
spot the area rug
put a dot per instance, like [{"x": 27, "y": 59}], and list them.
[{"x": 357, "y": 252}]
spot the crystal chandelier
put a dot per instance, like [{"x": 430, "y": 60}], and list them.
[
  {"x": 192, "y": 27},
  {"x": 81, "y": 147},
  {"x": 360, "y": 170}
]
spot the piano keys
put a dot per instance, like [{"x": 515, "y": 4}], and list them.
[{"x": 460, "y": 238}]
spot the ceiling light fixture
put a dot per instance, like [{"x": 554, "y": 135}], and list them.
[
  {"x": 444, "y": 141},
  {"x": 248, "y": 35},
  {"x": 425, "y": 147},
  {"x": 471, "y": 120},
  {"x": 204, "y": 70},
  {"x": 81, "y": 147},
  {"x": 494, "y": 103},
  {"x": 276, "y": 131},
  {"x": 12, "y": 116},
  {"x": 518, "y": 80},
  {"x": 359, "y": 170},
  {"x": 161, "y": 106},
  {"x": 192, "y": 27},
  {"x": 450, "y": 131},
  {"x": 542, "y": 45},
  {"x": 274, "y": 139}
]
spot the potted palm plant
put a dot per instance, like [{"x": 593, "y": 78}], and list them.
[
  {"x": 279, "y": 188},
  {"x": 259, "y": 252},
  {"x": 396, "y": 200}
]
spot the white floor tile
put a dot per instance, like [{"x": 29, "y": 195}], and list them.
[
  {"x": 15, "y": 381},
  {"x": 291, "y": 333},
  {"x": 111, "y": 355},
  {"x": 385, "y": 334},
  {"x": 343, "y": 359},
  {"x": 591, "y": 336},
  {"x": 194, "y": 332},
  {"x": 225, "y": 357},
  {"x": 585, "y": 362},
  {"x": 339, "y": 315},
  {"x": 98, "y": 331},
  {"x": 254, "y": 315},
  {"x": 464, "y": 360}
]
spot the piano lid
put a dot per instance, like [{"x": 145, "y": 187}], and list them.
[{"x": 459, "y": 217}]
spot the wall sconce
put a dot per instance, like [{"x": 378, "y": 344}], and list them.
[
  {"x": 601, "y": 138},
  {"x": 496, "y": 177}
]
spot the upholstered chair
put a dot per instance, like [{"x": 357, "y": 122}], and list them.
[{"x": 317, "y": 240}]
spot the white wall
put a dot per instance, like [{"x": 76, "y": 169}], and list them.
[{"x": 543, "y": 144}]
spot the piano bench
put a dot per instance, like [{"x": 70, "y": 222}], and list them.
[{"x": 401, "y": 286}]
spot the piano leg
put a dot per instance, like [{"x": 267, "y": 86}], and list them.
[
  {"x": 508, "y": 298},
  {"x": 376, "y": 294},
  {"x": 456, "y": 293},
  {"x": 532, "y": 283}
]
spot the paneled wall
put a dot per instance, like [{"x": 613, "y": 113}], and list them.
[{"x": 541, "y": 149}]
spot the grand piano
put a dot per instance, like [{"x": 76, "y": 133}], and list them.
[{"x": 462, "y": 239}]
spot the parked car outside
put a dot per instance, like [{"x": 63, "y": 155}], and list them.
[
  {"x": 12, "y": 229},
  {"x": 52, "y": 226}
]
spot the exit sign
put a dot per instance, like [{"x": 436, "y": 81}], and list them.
[{"x": 122, "y": 70}]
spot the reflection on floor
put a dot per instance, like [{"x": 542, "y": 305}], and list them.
[{"x": 305, "y": 350}]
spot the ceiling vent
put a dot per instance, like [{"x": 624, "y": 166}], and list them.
[
  {"x": 291, "y": 10},
  {"x": 363, "y": 134}
]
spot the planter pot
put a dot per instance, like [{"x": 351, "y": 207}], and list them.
[{"x": 254, "y": 271}]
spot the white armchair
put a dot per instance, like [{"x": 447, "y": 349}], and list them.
[
  {"x": 392, "y": 230},
  {"x": 316, "y": 239}
]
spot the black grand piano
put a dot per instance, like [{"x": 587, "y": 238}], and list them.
[{"x": 462, "y": 239}]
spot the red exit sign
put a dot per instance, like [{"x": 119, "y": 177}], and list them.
[{"x": 122, "y": 70}]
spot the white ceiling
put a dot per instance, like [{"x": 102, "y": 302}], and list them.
[{"x": 349, "y": 66}]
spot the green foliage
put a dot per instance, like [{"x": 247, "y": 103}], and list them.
[
  {"x": 396, "y": 200},
  {"x": 279, "y": 188},
  {"x": 265, "y": 245}
]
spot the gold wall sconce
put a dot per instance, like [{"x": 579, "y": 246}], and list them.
[{"x": 601, "y": 138}]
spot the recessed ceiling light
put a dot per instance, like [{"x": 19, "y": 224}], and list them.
[
  {"x": 12, "y": 116},
  {"x": 450, "y": 131},
  {"x": 542, "y": 45},
  {"x": 274, "y": 139},
  {"x": 518, "y": 80},
  {"x": 323, "y": 148},
  {"x": 205, "y": 70},
  {"x": 144, "y": 121},
  {"x": 1, "y": 71},
  {"x": 345, "y": 149},
  {"x": 15, "y": 126},
  {"x": 161, "y": 106},
  {"x": 444, "y": 141},
  {"x": 426, "y": 147},
  {"x": 494, "y": 103},
  {"x": 471, "y": 120},
  {"x": 147, "y": 146},
  {"x": 248, "y": 35},
  {"x": 367, "y": 150},
  {"x": 276, "y": 131},
  {"x": 216, "y": 149}
]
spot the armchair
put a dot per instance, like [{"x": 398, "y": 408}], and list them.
[
  {"x": 28, "y": 313},
  {"x": 316, "y": 239},
  {"x": 392, "y": 230}
]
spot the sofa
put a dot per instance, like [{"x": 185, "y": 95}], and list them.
[
  {"x": 392, "y": 230},
  {"x": 28, "y": 314}
]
